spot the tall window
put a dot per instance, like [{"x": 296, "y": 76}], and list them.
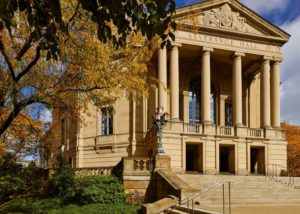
[
  {"x": 63, "y": 131},
  {"x": 106, "y": 121},
  {"x": 228, "y": 114},
  {"x": 195, "y": 101}
]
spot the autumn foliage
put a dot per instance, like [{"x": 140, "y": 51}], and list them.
[{"x": 293, "y": 138}]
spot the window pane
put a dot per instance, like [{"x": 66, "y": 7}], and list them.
[
  {"x": 228, "y": 114},
  {"x": 106, "y": 121}
]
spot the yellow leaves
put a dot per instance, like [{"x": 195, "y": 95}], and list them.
[
  {"x": 293, "y": 138},
  {"x": 21, "y": 134}
]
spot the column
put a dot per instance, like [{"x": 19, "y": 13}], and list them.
[
  {"x": 205, "y": 85},
  {"x": 275, "y": 94},
  {"x": 237, "y": 89},
  {"x": 222, "y": 110},
  {"x": 162, "y": 78},
  {"x": 265, "y": 92},
  {"x": 174, "y": 81},
  {"x": 133, "y": 140},
  {"x": 185, "y": 108}
]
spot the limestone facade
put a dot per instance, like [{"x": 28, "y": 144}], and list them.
[{"x": 220, "y": 83}]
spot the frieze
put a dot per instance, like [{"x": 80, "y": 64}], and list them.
[{"x": 228, "y": 43}]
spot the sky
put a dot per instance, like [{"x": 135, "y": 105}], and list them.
[{"x": 286, "y": 15}]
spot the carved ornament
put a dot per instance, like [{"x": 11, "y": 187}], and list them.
[{"x": 223, "y": 17}]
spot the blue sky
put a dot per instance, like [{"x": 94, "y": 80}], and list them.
[{"x": 286, "y": 15}]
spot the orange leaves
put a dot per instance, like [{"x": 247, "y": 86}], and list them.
[
  {"x": 22, "y": 136},
  {"x": 293, "y": 138}
]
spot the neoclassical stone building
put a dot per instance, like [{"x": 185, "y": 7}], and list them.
[{"x": 220, "y": 83}]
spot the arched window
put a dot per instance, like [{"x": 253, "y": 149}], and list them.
[{"x": 195, "y": 101}]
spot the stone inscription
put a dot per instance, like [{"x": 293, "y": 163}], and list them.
[{"x": 215, "y": 40}]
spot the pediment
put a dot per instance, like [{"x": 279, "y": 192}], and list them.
[{"x": 227, "y": 15}]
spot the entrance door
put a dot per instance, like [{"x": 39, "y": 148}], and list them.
[
  {"x": 194, "y": 157},
  {"x": 227, "y": 159},
  {"x": 257, "y": 160}
]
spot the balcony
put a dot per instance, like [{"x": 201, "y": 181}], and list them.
[{"x": 224, "y": 131}]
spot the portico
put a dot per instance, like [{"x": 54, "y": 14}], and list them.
[
  {"x": 220, "y": 82},
  {"x": 269, "y": 72}
]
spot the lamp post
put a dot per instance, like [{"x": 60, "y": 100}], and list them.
[{"x": 160, "y": 118}]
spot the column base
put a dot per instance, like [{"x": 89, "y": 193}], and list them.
[
  {"x": 239, "y": 125},
  {"x": 207, "y": 122}
]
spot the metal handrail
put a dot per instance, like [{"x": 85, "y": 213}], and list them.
[
  {"x": 204, "y": 192},
  {"x": 275, "y": 174}
]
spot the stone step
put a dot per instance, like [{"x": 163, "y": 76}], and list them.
[{"x": 244, "y": 189}]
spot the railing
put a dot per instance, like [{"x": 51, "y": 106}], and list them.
[
  {"x": 102, "y": 171},
  {"x": 259, "y": 133},
  {"x": 190, "y": 201},
  {"x": 225, "y": 130},
  {"x": 193, "y": 128},
  {"x": 278, "y": 172}
]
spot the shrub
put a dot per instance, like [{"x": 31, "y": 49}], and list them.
[
  {"x": 11, "y": 178},
  {"x": 62, "y": 182},
  {"x": 10, "y": 185},
  {"x": 100, "y": 189},
  {"x": 36, "y": 205}
]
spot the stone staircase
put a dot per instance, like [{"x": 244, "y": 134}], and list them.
[{"x": 246, "y": 191}]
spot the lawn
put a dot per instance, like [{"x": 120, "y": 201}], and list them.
[{"x": 56, "y": 205}]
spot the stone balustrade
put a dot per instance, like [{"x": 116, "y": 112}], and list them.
[
  {"x": 137, "y": 165},
  {"x": 100, "y": 171},
  {"x": 257, "y": 133},
  {"x": 211, "y": 129},
  {"x": 225, "y": 130},
  {"x": 192, "y": 128}
]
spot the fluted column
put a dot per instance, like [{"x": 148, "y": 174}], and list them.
[
  {"x": 265, "y": 89},
  {"x": 162, "y": 78},
  {"x": 174, "y": 81},
  {"x": 275, "y": 94},
  {"x": 205, "y": 85},
  {"x": 237, "y": 89}
]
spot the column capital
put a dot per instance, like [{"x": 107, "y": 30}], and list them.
[
  {"x": 267, "y": 58},
  {"x": 238, "y": 54},
  {"x": 185, "y": 93},
  {"x": 223, "y": 97},
  {"x": 277, "y": 60},
  {"x": 176, "y": 45},
  {"x": 207, "y": 49}
]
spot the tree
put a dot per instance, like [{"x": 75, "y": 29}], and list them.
[
  {"x": 62, "y": 182},
  {"x": 48, "y": 49},
  {"x": 22, "y": 136},
  {"x": 293, "y": 150}
]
